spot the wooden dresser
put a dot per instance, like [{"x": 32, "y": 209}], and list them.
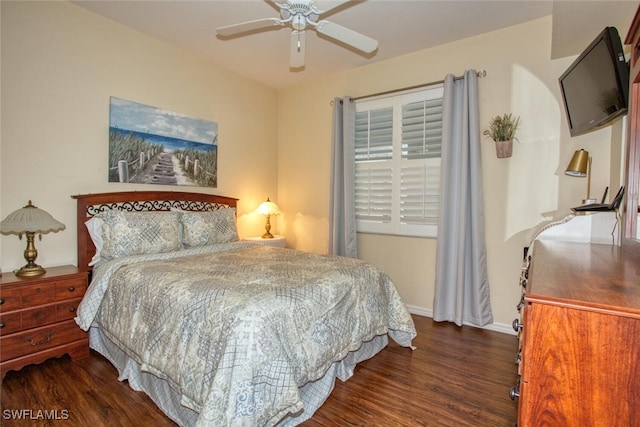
[
  {"x": 579, "y": 360},
  {"x": 36, "y": 317}
]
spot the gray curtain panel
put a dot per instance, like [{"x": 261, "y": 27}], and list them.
[
  {"x": 462, "y": 283},
  {"x": 342, "y": 206}
]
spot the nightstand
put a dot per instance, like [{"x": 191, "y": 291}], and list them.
[
  {"x": 277, "y": 241},
  {"x": 36, "y": 317}
]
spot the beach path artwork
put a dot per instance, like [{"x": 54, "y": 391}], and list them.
[{"x": 148, "y": 145}]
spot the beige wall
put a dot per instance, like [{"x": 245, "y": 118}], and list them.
[
  {"x": 60, "y": 65},
  {"x": 520, "y": 192}
]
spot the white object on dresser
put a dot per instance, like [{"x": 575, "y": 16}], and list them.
[
  {"x": 593, "y": 227},
  {"x": 276, "y": 241}
]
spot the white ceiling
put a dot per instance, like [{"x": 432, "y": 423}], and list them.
[{"x": 399, "y": 26}]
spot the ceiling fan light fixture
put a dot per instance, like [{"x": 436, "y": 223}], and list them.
[{"x": 299, "y": 22}]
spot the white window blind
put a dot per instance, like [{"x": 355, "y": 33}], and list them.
[{"x": 398, "y": 143}]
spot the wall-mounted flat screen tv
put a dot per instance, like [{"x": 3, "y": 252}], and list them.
[{"x": 595, "y": 88}]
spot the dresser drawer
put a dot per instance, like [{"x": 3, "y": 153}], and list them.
[{"x": 39, "y": 339}]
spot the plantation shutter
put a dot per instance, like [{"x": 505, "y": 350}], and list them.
[
  {"x": 420, "y": 170},
  {"x": 374, "y": 153},
  {"x": 398, "y": 144}
]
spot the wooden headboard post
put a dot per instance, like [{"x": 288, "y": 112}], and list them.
[{"x": 89, "y": 205}]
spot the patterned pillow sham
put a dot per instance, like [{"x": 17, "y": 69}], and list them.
[
  {"x": 139, "y": 233},
  {"x": 207, "y": 228}
]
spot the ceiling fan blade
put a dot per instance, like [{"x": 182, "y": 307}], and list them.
[
  {"x": 298, "y": 41},
  {"x": 259, "y": 24},
  {"x": 347, "y": 36},
  {"x": 331, "y": 6}
]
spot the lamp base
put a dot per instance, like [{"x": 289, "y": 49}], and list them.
[
  {"x": 267, "y": 235},
  {"x": 30, "y": 271}
]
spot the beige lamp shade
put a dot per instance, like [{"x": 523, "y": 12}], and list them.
[
  {"x": 30, "y": 220},
  {"x": 268, "y": 208}
]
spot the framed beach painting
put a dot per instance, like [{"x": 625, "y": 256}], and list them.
[{"x": 148, "y": 145}]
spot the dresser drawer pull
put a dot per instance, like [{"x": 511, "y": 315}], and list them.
[
  {"x": 72, "y": 309},
  {"x": 46, "y": 340},
  {"x": 517, "y": 326},
  {"x": 38, "y": 290},
  {"x": 71, "y": 289},
  {"x": 1, "y": 325},
  {"x": 1, "y": 301}
]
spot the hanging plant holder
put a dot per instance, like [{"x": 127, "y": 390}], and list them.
[
  {"x": 504, "y": 148},
  {"x": 503, "y": 131}
]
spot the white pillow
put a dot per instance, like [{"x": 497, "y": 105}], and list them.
[{"x": 94, "y": 226}]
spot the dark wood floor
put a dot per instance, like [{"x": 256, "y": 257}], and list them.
[{"x": 456, "y": 377}]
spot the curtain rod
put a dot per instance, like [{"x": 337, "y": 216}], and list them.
[{"x": 480, "y": 74}]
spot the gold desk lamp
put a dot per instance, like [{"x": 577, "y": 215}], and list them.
[
  {"x": 580, "y": 166},
  {"x": 30, "y": 220},
  {"x": 268, "y": 208}
]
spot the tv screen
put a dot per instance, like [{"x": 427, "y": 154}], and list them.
[{"x": 595, "y": 88}]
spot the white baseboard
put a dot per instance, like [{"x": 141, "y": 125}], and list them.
[{"x": 497, "y": 327}]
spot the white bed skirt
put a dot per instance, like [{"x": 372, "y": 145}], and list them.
[{"x": 312, "y": 394}]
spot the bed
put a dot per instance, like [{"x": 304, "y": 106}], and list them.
[{"x": 222, "y": 332}]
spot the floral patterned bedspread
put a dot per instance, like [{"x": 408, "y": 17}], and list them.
[{"x": 237, "y": 330}]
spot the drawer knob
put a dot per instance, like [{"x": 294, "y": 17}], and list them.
[
  {"x": 72, "y": 309},
  {"x": 71, "y": 289},
  {"x": 1, "y": 325},
  {"x": 517, "y": 326},
  {"x": 46, "y": 339},
  {"x": 514, "y": 393},
  {"x": 1, "y": 301}
]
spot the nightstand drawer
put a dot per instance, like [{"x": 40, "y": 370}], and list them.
[
  {"x": 10, "y": 323},
  {"x": 67, "y": 310},
  {"x": 38, "y": 294},
  {"x": 73, "y": 288},
  {"x": 10, "y": 300},
  {"x": 39, "y": 316},
  {"x": 43, "y": 338}
]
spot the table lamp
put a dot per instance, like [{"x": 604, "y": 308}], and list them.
[
  {"x": 580, "y": 166},
  {"x": 30, "y": 220},
  {"x": 268, "y": 208}
]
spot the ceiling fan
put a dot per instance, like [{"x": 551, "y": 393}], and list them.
[{"x": 301, "y": 15}]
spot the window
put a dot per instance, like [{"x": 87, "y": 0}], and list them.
[{"x": 398, "y": 142}]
